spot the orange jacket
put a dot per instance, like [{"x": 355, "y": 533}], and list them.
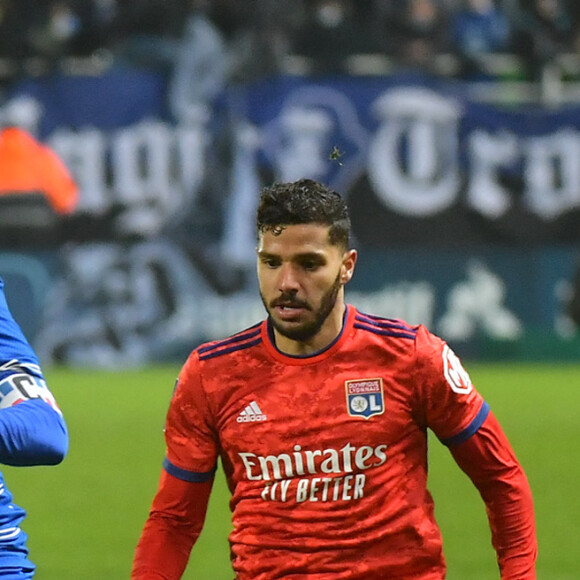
[{"x": 27, "y": 166}]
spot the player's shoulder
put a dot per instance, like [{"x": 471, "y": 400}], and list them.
[
  {"x": 211, "y": 361},
  {"x": 395, "y": 328},
  {"x": 238, "y": 342},
  {"x": 400, "y": 333}
]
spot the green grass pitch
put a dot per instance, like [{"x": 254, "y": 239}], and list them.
[{"x": 85, "y": 516}]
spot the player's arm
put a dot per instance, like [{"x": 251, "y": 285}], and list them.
[
  {"x": 179, "y": 507},
  {"x": 174, "y": 524},
  {"x": 451, "y": 406},
  {"x": 32, "y": 429},
  {"x": 488, "y": 459},
  {"x": 32, "y": 433}
]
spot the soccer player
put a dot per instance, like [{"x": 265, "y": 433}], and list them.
[
  {"x": 32, "y": 432},
  {"x": 319, "y": 415}
]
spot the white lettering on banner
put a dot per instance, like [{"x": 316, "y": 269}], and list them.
[
  {"x": 487, "y": 154},
  {"x": 156, "y": 169},
  {"x": 413, "y": 161},
  {"x": 422, "y": 122},
  {"x": 141, "y": 162},
  {"x": 552, "y": 173},
  {"x": 85, "y": 154}
]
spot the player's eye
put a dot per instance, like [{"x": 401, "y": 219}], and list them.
[
  {"x": 270, "y": 262},
  {"x": 309, "y": 265}
]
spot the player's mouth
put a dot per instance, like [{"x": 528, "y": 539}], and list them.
[{"x": 289, "y": 310}]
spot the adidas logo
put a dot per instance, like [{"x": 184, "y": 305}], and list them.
[{"x": 251, "y": 414}]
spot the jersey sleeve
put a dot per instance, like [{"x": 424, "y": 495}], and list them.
[
  {"x": 489, "y": 461},
  {"x": 450, "y": 405},
  {"x": 179, "y": 507},
  {"x": 448, "y": 402},
  {"x": 190, "y": 436},
  {"x": 32, "y": 428},
  {"x": 172, "y": 528}
]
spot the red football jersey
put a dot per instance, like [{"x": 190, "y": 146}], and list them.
[{"x": 325, "y": 455}]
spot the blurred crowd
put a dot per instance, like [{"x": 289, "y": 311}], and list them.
[{"x": 249, "y": 38}]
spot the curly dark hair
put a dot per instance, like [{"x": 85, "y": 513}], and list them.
[{"x": 303, "y": 202}]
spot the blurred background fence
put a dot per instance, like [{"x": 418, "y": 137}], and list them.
[{"x": 460, "y": 161}]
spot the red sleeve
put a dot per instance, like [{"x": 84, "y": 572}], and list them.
[
  {"x": 447, "y": 402},
  {"x": 173, "y": 526},
  {"x": 488, "y": 459},
  {"x": 190, "y": 433}
]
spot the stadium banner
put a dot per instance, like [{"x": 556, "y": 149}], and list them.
[
  {"x": 160, "y": 252},
  {"x": 420, "y": 161},
  {"x": 113, "y": 305}
]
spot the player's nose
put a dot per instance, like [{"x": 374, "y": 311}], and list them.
[{"x": 288, "y": 281}]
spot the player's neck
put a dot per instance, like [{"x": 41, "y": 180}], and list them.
[{"x": 330, "y": 329}]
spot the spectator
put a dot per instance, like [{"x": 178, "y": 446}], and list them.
[
  {"x": 259, "y": 48},
  {"x": 149, "y": 32},
  {"x": 15, "y": 22},
  {"x": 53, "y": 30},
  {"x": 36, "y": 189},
  {"x": 330, "y": 35},
  {"x": 414, "y": 32},
  {"x": 478, "y": 29},
  {"x": 51, "y": 34},
  {"x": 96, "y": 26},
  {"x": 543, "y": 28}
]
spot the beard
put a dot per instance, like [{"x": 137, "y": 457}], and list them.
[{"x": 306, "y": 330}]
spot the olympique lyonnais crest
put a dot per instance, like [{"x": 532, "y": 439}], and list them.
[{"x": 364, "y": 397}]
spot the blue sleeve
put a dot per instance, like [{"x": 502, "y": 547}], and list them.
[
  {"x": 32, "y": 429},
  {"x": 32, "y": 433}
]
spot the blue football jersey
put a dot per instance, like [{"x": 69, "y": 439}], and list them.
[{"x": 32, "y": 432}]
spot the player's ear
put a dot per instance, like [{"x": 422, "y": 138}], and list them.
[{"x": 347, "y": 267}]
